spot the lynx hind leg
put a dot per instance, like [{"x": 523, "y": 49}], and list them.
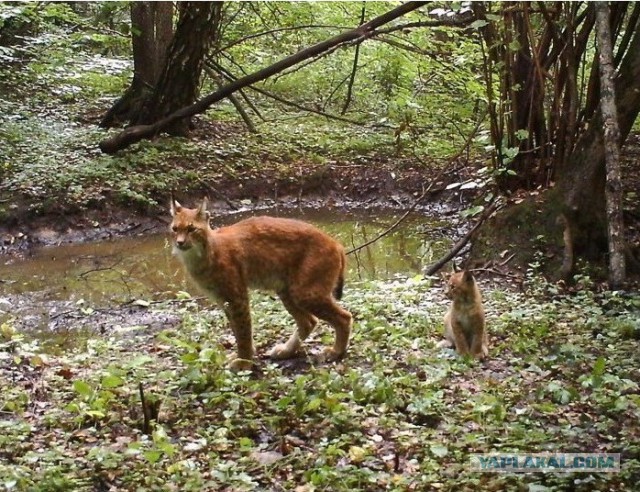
[
  {"x": 313, "y": 292},
  {"x": 305, "y": 323},
  {"x": 340, "y": 319}
]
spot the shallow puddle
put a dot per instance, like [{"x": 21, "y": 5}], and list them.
[{"x": 120, "y": 270}]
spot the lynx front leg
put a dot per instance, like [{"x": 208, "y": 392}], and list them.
[
  {"x": 305, "y": 323},
  {"x": 449, "y": 340},
  {"x": 479, "y": 346},
  {"x": 459, "y": 339},
  {"x": 239, "y": 316},
  {"x": 454, "y": 337}
]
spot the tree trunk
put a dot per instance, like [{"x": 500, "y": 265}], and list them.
[
  {"x": 152, "y": 28},
  {"x": 137, "y": 133},
  {"x": 581, "y": 183},
  {"x": 178, "y": 85},
  {"x": 611, "y": 136},
  {"x": 580, "y": 193},
  {"x": 572, "y": 215}
]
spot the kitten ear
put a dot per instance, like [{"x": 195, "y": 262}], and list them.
[
  {"x": 467, "y": 276},
  {"x": 202, "y": 209},
  {"x": 174, "y": 206}
]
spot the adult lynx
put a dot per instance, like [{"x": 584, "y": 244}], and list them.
[
  {"x": 302, "y": 264},
  {"x": 464, "y": 325}
]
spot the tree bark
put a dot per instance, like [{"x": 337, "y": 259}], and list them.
[
  {"x": 611, "y": 137},
  {"x": 152, "y": 28},
  {"x": 179, "y": 82},
  {"x": 581, "y": 182},
  {"x": 135, "y": 134},
  {"x": 582, "y": 178}
]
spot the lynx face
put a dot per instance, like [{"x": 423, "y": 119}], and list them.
[
  {"x": 189, "y": 226},
  {"x": 459, "y": 285}
]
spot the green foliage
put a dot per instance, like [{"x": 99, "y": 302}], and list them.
[{"x": 433, "y": 84}]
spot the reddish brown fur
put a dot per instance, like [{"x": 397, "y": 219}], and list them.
[
  {"x": 302, "y": 264},
  {"x": 464, "y": 322}
]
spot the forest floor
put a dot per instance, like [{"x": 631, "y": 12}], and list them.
[{"x": 397, "y": 413}]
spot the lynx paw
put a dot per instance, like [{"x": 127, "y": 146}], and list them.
[
  {"x": 484, "y": 353},
  {"x": 329, "y": 355},
  {"x": 282, "y": 351},
  {"x": 237, "y": 365},
  {"x": 444, "y": 344}
]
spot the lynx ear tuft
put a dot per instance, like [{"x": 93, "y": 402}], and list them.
[
  {"x": 202, "y": 209},
  {"x": 174, "y": 206}
]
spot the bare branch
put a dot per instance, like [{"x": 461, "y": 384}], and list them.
[
  {"x": 273, "y": 31},
  {"x": 354, "y": 70},
  {"x": 275, "y": 97},
  {"x": 449, "y": 22},
  {"x": 217, "y": 78},
  {"x": 462, "y": 242}
]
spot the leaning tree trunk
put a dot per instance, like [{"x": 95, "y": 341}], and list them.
[
  {"x": 611, "y": 135},
  {"x": 152, "y": 29},
  {"x": 178, "y": 85}
]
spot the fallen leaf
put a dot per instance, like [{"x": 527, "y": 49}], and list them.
[{"x": 266, "y": 457}]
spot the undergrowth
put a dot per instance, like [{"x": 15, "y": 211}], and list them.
[{"x": 396, "y": 414}]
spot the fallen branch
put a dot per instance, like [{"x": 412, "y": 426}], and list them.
[
  {"x": 134, "y": 134},
  {"x": 100, "y": 269},
  {"x": 461, "y": 243}
]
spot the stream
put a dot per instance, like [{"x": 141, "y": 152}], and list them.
[{"x": 40, "y": 292}]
